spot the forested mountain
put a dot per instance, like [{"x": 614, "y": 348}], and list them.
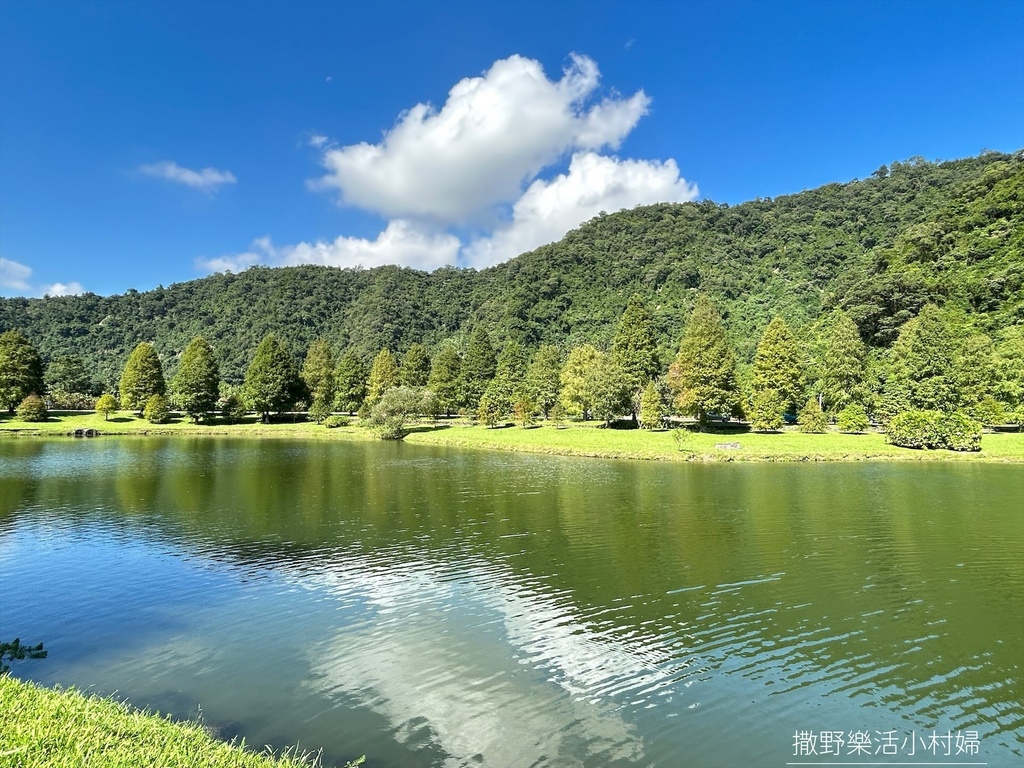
[{"x": 948, "y": 233}]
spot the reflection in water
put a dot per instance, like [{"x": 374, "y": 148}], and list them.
[{"x": 434, "y": 607}]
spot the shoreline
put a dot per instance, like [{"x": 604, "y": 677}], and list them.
[{"x": 584, "y": 440}]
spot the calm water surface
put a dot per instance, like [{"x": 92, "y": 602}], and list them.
[{"x": 436, "y": 607}]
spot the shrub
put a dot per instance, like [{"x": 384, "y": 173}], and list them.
[
  {"x": 156, "y": 410},
  {"x": 71, "y": 401},
  {"x": 853, "y": 418},
  {"x": 934, "y": 429},
  {"x": 106, "y": 404},
  {"x": 811, "y": 418},
  {"x": 332, "y": 422},
  {"x": 32, "y": 408},
  {"x": 392, "y": 428}
]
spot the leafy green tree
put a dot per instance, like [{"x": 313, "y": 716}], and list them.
[
  {"x": 923, "y": 364},
  {"x": 156, "y": 410},
  {"x": 350, "y": 380},
  {"x": 32, "y": 408},
  {"x": 320, "y": 410},
  {"x": 766, "y": 410},
  {"x": 415, "y": 369},
  {"x": 703, "y": 376},
  {"x": 853, "y": 418},
  {"x": 611, "y": 387},
  {"x": 444, "y": 381},
  {"x": 106, "y": 404},
  {"x": 652, "y": 410},
  {"x": 841, "y": 368},
  {"x": 395, "y": 408},
  {"x": 523, "y": 409},
  {"x": 635, "y": 346},
  {"x": 318, "y": 375},
  {"x": 142, "y": 377},
  {"x": 478, "y": 367},
  {"x": 492, "y": 408},
  {"x": 233, "y": 410},
  {"x": 975, "y": 372},
  {"x": 1008, "y": 362},
  {"x": 195, "y": 387},
  {"x": 272, "y": 379},
  {"x": 577, "y": 379},
  {"x": 543, "y": 378},
  {"x": 508, "y": 382},
  {"x": 383, "y": 376},
  {"x": 811, "y": 418},
  {"x": 21, "y": 370},
  {"x": 67, "y": 373},
  {"x": 777, "y": 363}
]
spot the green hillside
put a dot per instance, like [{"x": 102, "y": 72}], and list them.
[{"x": 950, "y": 233}]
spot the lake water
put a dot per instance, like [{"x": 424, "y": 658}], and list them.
[{"x": 436, "y": 607}]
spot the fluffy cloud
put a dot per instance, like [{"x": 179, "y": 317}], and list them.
[
  {"x": 15, "y": 277},
  {"x": 549, "y": 209},
  {"x": 494, "y": 134},
  {"x": 206, "y": 180}
]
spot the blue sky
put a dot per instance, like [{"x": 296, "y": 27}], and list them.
[{"x": 151, "y": 143}]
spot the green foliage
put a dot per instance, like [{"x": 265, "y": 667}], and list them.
[
  {"x": 318, "y": 375},
  {"x": 195, "y": 387},
  {"x": 106, "y": 404},
  {"x": 272, "y": 380},
  {"x": 508, "y": 383},
  {"x": 233, "y": 409},
  {"x": 703, "y": 376},
  {"x": 853, "y": 418},
  {"x": 383, "y": 376},
  {"x": 988, "y": 411},
  {"x": 67, "y": 373},
  {"x": 934, "y": 429},
  {"x": 652, "y": 410},
  {"x": 70, "y": 401},
  {"x": 811, "y": 418},
  {"x": 523, "y": 409},
  {"x": 635, "y": 346},
  {"x": 841, "y": 369},
  {"x": 478, "y": 368},
  {"x": 543, "y": 378},
  {"x": 156, "y": 410},
  {"x": 21, "y": 370},
  {"x": 777, "y": 363},
  {"x": 611, "y": 388},
  {"x": 766, "y": 410},
  {"x": 923, "y": 363},
  {"x": 395, "y": 407},
  {"x": 32, "y": 408},
  {"x": 445, "y": 376},
  {"x": 320, "y": 410},
  {"x": 1008, "y": 362},
  {"x": 333, "y": 422},
  {"x": 415, "y": 370},
  {"x": 492, "y": 409},
  {"x": 350, "y": 380},
  {"x": 142, "y": 377},
  {"x": 577, "y": 380}
]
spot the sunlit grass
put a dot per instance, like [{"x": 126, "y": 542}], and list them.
[{"x": 63, "y": 728}]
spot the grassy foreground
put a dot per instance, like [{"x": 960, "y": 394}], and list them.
[
  {"x": 63, "y": 728},
  {"x": 576, "y": 439}
]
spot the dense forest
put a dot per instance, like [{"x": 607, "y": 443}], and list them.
[{"x": 915, "y": 233}]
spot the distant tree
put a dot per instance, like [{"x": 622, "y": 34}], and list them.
[
  {"x": 195, "y": 387},
  {"x": 272, "y": 379},
  {"x": 156, "y": 410},
  {"x": 777, "y": 364},
  {"x": 395, "y": 408},
  {"x": 523, "y": 409},
  {"x": 842, "y": 369},
  {"x": 703, "y": 376},
  {"x": 635, "y": 347},
  {"x": 577, "y": 379},
  {"x": 67, "y": 373},
  {"x": 652, "y": 410},
  {"x": 611, "y": 387},
  {"x": 543, "y": 381},
  {"x": 350, "y": 381},
  {"x": 233, "y": 409},
  {"x": 142, "y": 377},
  {"x": 853, "y": 418},
  {"x": 32, "y": 408},
  {"x": 415, "y": 370},
  {"x": 478, "y": 367},
  {"x": 923, "y": 364},
  {"x": 975, "y": 372},
  {"x": 1008, "y": 363},
  {"x": 444, "y": 381},
  {"x": 106, "y": 404},
  {"x": 811, "y": 418},
  {"x": 491, "y": 409},
  {"x": 318, "y": 376},
  {"x": 21, "y": 370},
  {"x": 320, "y": 410},
  {"x": 766, "y": 410},
  {"x": 509, "y": 379},
  {"x": 383, "y": 376}
]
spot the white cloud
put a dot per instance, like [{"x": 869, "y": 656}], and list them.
[
  {"x": 63, "y": 289},
  {"x": 14, "y": 276},
  {"x": 494, "y": 134},
  {"x": 207, "y": 179},
  {"x": 549, "y": 209},
  {"x": 317, "y": 141}
]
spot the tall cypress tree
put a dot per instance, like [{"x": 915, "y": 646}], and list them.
[
  {"x": 195, "y": 387},
  {"x": 777, "y": 364},
  {"x": 383, "y": 376},
  {"x": 318, "y": 372},
  {"x": 21, "y": 369},
  {"x": 543, "y": 377},
  {"x": 142, "y": 377},
  {"x": 635, "y": 348},
  {"x": 478, "y": 368},
  {"x": 923, "y": 364},
  {"x": 445, "y": 370},
  {"x": 577, "y": 380},
  {"x": 415, "y": 370},
  {"x": 272, "y": 379},
  {"x": 350, "y": 382},
  {"x": 703, "y": 376},
  {"x": 842, "y": 371}
]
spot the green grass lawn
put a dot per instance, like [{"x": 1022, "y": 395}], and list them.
[
  {"x": 576, "y": 439},
  {"x": 63, "y": 728}
]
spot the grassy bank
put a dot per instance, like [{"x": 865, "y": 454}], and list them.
[
  {"x": 61, "y": 728},
  {"x": 574, "y": 440}
]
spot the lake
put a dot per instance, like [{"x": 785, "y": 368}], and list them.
[{"x": 442, "y": 607}]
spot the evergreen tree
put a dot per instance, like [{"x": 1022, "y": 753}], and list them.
[
  {"x": 842, "y": 371},
  {"x": 703, "y": 376},
  {"x": 21, "y": 370},
  {"x": 318, "y": 373},
  {"x": 156, "y": 410},
  {"x": 766, "y": 410},
  {"x": 812, "y": 418},
  {"x": 777, "y": 363},
  {"x": 478, "y": 367},
  {"x": 67, "y": 373},
  {"x": 853, "y": 418},
  {"x": 635, "y": 346},
  {"x": 444, "y": 381},
  {"x": 106, "y": 404},
  {"x": 350, "y": 382},
  {"x": 1008, "y": 364},
  {"x": 975, "y": 373},
  {"x": 543, "y": 377},
  {"x": 415, "y": 371},
  {"x": 611, "y": 387},
  {"x": 272, "y": 380},
  {"x": 652, "y": 411},
  {"x": 195, "y": 387},
  {"x": 142, "y": 377},
  {"x": 383, "y": 376},
  {"x": 923, "y": 364},
  {"x": 510, "y": 375},
  {"x": 577, "y": 380}
]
